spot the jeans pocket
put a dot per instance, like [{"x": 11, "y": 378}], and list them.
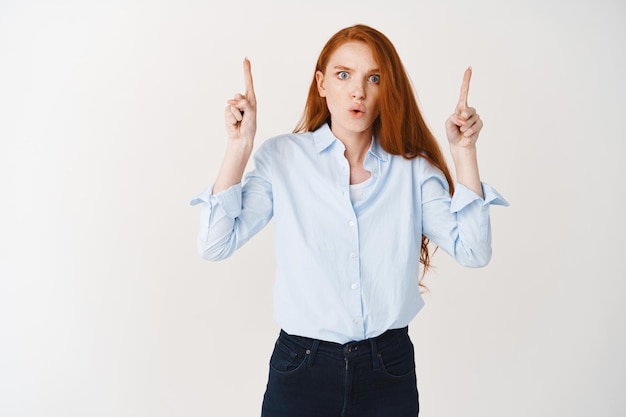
[
  {"x": 399, "y": 361},
  {"x": 284, "y": 359}
]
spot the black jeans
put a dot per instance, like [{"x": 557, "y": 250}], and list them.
[{"x": 370, "y": 378}]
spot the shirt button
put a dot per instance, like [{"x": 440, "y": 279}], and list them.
[
  {"x": 354, "y": 286},
  {"x": 351, "y": 223},
  {"x": 356, "y": 321},
  {"x": 353, "y": 254}
]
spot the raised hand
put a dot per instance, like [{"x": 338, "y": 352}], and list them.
[
  {"x": 240, "y": 113},
  {"x": 240, "y": 119},
  {"x": 464, "y": 125}
]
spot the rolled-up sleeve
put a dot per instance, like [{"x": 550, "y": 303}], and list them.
[
  {"x": 231, "y": 217},
  {"x": 460, "y": 225},
  {"x": 218, "y": 211}
]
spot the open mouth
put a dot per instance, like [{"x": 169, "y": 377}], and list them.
[{"x": 357, "y": 109}]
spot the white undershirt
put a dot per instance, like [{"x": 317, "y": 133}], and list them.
[{"x": 358, "y": 191}]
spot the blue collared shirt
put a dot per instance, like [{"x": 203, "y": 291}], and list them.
[{"x": 345, "y": 270}]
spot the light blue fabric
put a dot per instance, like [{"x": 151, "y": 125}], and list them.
[{"x": 345, "y": 271}]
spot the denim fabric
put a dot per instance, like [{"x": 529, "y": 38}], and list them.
[{"x": 371, "y": 378}]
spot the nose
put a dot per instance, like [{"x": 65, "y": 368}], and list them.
[{"x": 358, "y": 90}]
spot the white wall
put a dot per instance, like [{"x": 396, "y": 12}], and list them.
[{"x": 111, "y": 120}]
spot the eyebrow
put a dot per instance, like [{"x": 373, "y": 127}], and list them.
[{"x": 342, "y": 68}]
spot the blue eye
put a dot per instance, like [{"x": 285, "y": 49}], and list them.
[
  {"x": 375, "y": 78},
  {"x": 343, "y": 75}
]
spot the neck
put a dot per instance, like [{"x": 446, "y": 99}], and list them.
[
  {"x": 355, "y": 153},
  {"x": 356, "y": 150},
  {"x": 357, "y": 145}
]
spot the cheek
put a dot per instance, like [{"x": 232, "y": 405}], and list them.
[
  {"x": 331, "y": 98},
  {"x": 331, "y": 105},
  {"x": 375, "y": 102}
]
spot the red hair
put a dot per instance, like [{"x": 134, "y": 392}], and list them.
[{"x": 400, "y": 128}]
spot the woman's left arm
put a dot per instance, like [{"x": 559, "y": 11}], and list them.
[{"x": 462, "y": 129}]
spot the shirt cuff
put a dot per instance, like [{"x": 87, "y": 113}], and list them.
[
  {"x": 229, "y": 199},
  {"x": 463, "y": 196},
  {"x": 203, "y": 197}
]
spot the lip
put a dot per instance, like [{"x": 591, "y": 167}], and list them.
[
  {"x": 357, "y": 111},
  {"x": 357, "y": 108}
]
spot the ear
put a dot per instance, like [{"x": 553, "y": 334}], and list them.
[{"x": 319, "y": 78}]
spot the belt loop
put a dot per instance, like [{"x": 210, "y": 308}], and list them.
[
  {"x": 311, "y": 352},
  {"x": 375, "y": 360}
]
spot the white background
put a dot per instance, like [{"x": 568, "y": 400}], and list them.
[{"x": 111, "y": 120}]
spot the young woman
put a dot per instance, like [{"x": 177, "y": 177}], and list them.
[{"x": 356, "y": 194}]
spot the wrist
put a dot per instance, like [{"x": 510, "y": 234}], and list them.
[
  {"x": 239, "y": 150},
  {"x": 461, "y": 154},
  {"x": 240, "y": 144}
]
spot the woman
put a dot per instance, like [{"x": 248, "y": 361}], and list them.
[{"x": 356, "y": 193}]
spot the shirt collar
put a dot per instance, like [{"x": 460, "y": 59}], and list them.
[
  {"x": 378, "y": 151},
  {"x": 323, "y": 138}
]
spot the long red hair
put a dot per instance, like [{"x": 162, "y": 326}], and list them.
[{"x": 400, "y": 128}]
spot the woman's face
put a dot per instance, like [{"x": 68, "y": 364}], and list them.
[{"x": 350, "y": 84}]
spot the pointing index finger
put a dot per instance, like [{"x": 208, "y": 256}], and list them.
[
  {"x": 247, "y": 76},
  {"x": 464, "y": 89}
]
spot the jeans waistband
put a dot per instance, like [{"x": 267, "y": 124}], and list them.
[{"x": 348, "y": 351}]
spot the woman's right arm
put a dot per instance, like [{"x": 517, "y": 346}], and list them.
[{"x": 232, "y": 214}]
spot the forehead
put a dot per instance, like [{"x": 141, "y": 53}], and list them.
[{"x": 353, "y": 54}]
